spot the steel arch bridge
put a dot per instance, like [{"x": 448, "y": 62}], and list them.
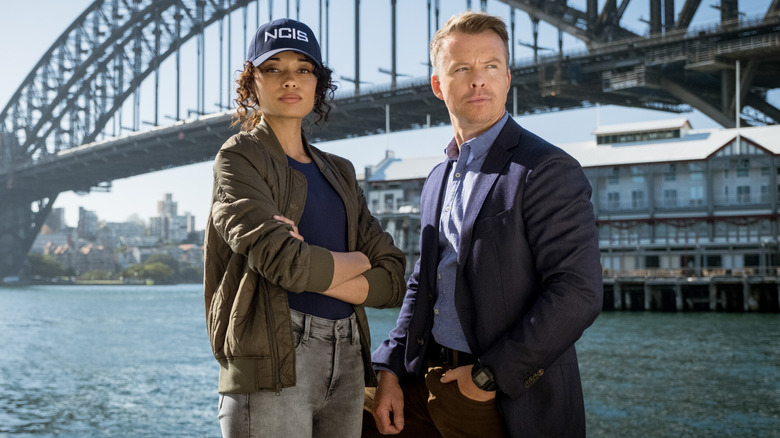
[{"x": 101, "y": 60}]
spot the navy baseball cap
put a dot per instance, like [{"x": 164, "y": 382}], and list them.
[{"x": 281, "y": 35}]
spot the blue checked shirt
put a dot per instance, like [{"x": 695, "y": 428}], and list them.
[{"x": 467, "y": 162}]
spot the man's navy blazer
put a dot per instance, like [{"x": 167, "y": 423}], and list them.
[{"x": 528, "y": 282}]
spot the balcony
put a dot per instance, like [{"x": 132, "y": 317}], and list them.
[{"x": 395, "y": 208}]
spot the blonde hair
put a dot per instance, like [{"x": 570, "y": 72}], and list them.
[{"x": 469, "y": 22}]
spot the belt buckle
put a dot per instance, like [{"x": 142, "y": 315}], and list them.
[{"x": 449, "y": 356}]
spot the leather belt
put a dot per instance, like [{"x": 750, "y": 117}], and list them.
[{"x": 439, "y": 355}]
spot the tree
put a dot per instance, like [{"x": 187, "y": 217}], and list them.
[
  {"x": 165, "y": 259},
  {"x": 44, "y": 266},
  {"x": 159, "y": 272}
]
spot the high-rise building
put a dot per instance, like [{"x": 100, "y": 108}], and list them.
[
  {"x": 56, "y": 220},
  {"x": 169, "y": 226},
  {"x": 88, "y": 224},
  {"x": 167, "y": 207}
]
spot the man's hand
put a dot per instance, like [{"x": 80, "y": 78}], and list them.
[
  {"x": 466, "y": 386},
  {"x": 388, "y": 408}
]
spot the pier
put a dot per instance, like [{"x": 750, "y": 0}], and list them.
[{"x": 674, "y": 290}]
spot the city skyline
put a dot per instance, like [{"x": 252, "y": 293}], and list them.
[{"x": 191, "y": 185}]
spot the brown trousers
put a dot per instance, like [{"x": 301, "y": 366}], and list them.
[{"x": 433, "y": 409}]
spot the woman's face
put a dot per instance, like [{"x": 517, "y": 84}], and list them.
[{"x": 285, "y": 85}]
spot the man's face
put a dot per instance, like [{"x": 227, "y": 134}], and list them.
[{"x": 472, "y": 80}]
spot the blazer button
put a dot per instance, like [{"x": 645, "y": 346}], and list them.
[{"x": 420, "y": 340}]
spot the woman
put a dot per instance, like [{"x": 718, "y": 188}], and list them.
[{"x": 292, "y": 256}]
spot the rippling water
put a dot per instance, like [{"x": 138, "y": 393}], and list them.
[{"x": 135, "y": 362}]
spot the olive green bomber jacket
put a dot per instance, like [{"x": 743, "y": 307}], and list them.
[{"x": 251, "y": 261}]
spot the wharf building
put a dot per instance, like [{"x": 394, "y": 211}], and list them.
[{"x": 687, "y": 219}]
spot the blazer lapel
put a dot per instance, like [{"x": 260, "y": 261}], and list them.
[
  {"x": 429, "y": 221},
  {"x": 498, "y": 155}
]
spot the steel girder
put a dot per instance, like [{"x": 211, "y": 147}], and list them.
[
  {"x": 75, "y": 89},
  {"x": 588, "y": 26},
  {"x": 94, "y": 66}
]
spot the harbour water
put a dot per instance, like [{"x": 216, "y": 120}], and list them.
[{"x": 134, "y": 361}]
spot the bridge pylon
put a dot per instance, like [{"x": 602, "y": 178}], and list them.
[{"x": 20, "y": 223}]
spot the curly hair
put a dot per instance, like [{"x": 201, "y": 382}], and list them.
[{"x": 249, "y": 113}]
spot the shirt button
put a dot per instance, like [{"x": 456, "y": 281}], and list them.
[
  {"x": 436, "y": 311},
  {"x": 457, "y": 175},
  {"x": 420, "y": 340},
  {"x": 438, "y": 276},
  {"x": 447, "y": 209}
]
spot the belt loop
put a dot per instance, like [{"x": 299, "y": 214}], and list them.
[{"x": 306, "y": 327}]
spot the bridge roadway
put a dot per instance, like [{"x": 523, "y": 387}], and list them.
[{"x": 660, "y": 73}]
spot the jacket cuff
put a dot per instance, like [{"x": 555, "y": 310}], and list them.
[
  {"x": 321, "y": 271},
  {"x": 380, "y": 288}
]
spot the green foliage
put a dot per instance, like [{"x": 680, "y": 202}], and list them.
[
  {"x": 97, "y": 274},
  {"x": 165, "y": 259},
  {"x": 45, "y": 266},
  {"x": 157, "y": 271}
]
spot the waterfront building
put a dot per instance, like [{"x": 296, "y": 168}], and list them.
[
  {"x": 47, "y": 238},
  {"x": 114, "y": 234},
  {"x": 687, "y": 219},
  {"x": 392, "y": 190}
]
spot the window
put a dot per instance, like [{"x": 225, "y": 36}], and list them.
[
  {"x": 652, "y": 262},
  {"x": 671, "y": 173},
  {"x": 613, "y": 200},
  {"x": 637, "y": 199},
  {"x": 637, "y": 175},
  {"x": 743, "y": 168},
  {"x": 614, "y": 176},
  {"x": 697, "y": 196},
  {"x": 764, "y": 194},
  {"x": 670, "y": 198},
  {"x": 743, "y": 194},
  {"x": 697, "y": 176}
]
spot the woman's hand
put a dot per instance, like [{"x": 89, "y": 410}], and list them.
[{"x": 294, "y": 231}]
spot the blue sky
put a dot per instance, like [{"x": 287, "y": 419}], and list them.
[{"x": 28, "y": 28}]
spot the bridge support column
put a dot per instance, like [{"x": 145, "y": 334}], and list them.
[{"x": 19, "y": 226}]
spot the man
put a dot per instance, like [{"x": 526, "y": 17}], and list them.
[{"x": 509, "y": 274}]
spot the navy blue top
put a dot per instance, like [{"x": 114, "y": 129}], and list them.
[{"x": 324, "y": 224}]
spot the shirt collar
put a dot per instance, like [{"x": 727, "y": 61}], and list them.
[{"x": 480, "y": 144}]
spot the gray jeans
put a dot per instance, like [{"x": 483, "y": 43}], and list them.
[{"x": 327, "y": 400}]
